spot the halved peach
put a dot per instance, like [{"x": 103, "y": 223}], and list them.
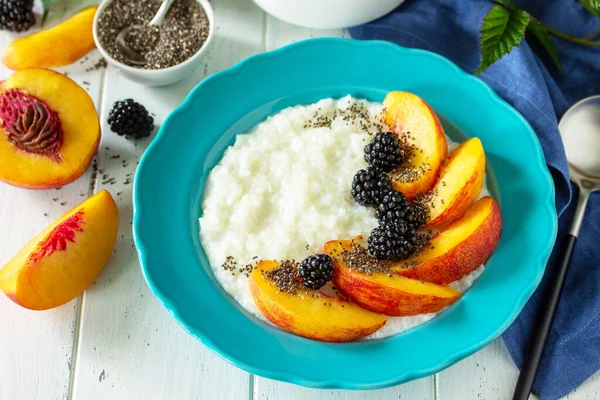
[
  {"x": 460, "y": 248},
  {"x": 63, "y": 260},
  {"x": 60, "y": 45},
  {"x": 49, "y": 132},
  {"x": 389, "y": 295},
  {"x": 410, "y": 116},
  {"x": 321, "y": 317},
  {"x": 459, "y": 184}
]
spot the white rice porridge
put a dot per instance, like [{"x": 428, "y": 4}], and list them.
[{"x": 283, "y": 190}]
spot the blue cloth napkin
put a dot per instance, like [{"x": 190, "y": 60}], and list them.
[{"x": 542, "y": 95}]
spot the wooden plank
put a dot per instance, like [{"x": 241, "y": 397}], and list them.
[
  {"x": 488, "y": 374},
  {"x": 589, "y": 390},
  {"x": 279, "y": 33},
  {"x": 130, "y": 347},
  {"x": 492, "y": 375},
  {"x": 265, "y": 389},
  {"x": 36, "y": 347}
]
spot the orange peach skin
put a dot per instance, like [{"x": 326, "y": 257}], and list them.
[
  {"x": 408, "y": 114},
  {"x": 459, "y": 184},
  {"x": 63, "y": 260},
  {"x": 395, "y": 295},
  {"x": 60, "y": 45},
  {"x": 330, "y": 319},
  {"x": 80, "y": 124},
  {"x": 460, "y": 248}
]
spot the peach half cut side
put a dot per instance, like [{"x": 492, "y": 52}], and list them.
[
  {"x": 311, "y": 314},
  {"x": 63, "y": 260},
  {"x": 460, "y": 248},
  {"x": 390, "y": 295},
  {"x": 49, "y": 129},
  {"x": 411, "y": 117}
]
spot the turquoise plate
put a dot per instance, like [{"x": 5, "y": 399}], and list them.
[{"x": 170, "y": 180}]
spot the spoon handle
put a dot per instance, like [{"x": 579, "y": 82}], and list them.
[
  {"x": 161, "y": 13},
  {"x": 543, "y": 324}
]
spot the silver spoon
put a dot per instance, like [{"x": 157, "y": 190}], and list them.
[
  {"x": 580, "y": 132},
  {"x": 131, "y": 55}
]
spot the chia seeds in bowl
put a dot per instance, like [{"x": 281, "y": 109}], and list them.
[{"x": 181, "y": 35}]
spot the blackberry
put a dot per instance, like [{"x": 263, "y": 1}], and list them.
[
  {"x": 16, "y": 15},
  {"x": 316, "y": 271},
  {"x": 131, "y": 119},
  {"x": 393, "y": 242},
  {"x": 384, "y": 152},
  {"x": 369, "y": 186},
  {"x": 396, "y": 207}
]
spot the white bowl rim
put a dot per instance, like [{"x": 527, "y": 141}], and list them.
[{"x": 208, "y": 9}]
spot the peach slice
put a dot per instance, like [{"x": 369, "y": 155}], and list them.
[
  {"x": 49, "y": 129},
  {"x": 390, "y": 295},
  {"x": 410, "y": 116},
  {"x": 459, "y": 184},
  {"x": 321, "y": 317},
  {"x": 63, "y": 260},
  {"x": 460, "y": 248},
  {"x": 60, "y": 45}
]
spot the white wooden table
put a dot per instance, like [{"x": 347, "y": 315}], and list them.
[{"x": 116, "y": 341}]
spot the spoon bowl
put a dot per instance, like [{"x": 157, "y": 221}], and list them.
[
  {"x": 580, "y": 131},
  {"x": 131, "y": 55}
]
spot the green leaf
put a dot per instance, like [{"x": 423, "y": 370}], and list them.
[
  {"x": 58, "y": 10},
  {"x": 541, "y": 33},
  {"x": 502, "y": 30},
  {"x": 46, "y": 6},
  {"x": 592, "y": 5},
  {"x": 508, "y": 4}
]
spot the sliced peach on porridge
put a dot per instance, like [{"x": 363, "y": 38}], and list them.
[
  {"x": 459, "y": 185},
  {"x": 379, "y": 290},
  {"x": 308, "y": 312},
  {"x": 460, "y": 248},
  {"x": 424, "y": 142}
]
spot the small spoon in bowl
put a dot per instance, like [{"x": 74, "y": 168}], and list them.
[
  {"x": 131, "y": 55},
  {"x": 580, "y": 132}
]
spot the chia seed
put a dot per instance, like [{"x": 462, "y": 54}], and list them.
[
  {"x": 356, "y": 114},
  {"x": 286, "y": 278},
  {"x": 408, "y": 172},
  {"x": 234, "y": 268},
  {"x": 358, "y": 259},
  {"x": 101, "y": 63},
  {"x": 182, "y": 33}
]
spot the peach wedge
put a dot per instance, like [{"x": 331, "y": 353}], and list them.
[
  {"x": 321, "y": 317},
  {"x": 460, "y": 248},
  {"x": 390, "y": 295},
  {"x": 60, "y": 45},
  {"x": 459, "y": 184},
  {"x": 411, "y": 116},
  {"x": 49, "y": 129},
  {"x": 63, "y": 260}
]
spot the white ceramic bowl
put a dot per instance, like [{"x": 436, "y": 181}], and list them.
[
  {"x": 328, "y": 14},
  {"x": 165, "y": 76}
]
